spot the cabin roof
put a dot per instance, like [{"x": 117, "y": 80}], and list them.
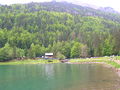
[{"x": 48, "y": 54}]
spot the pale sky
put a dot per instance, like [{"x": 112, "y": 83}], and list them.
[{"x": 104, "y": 3}]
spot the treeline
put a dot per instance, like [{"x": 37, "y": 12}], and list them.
[{"x": 30, "y": 35}]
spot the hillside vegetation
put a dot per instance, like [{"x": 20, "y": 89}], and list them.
[{"x": 30, "y": 30}]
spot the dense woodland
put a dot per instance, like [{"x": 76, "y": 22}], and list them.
[{"x": 67, "y": 30}]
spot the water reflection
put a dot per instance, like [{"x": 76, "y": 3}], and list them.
[{"x": 49, "y": 71}]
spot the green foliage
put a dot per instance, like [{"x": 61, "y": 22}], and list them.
[
  {"x": 76, "y": 50},
  {"x": 9, "y": 53},
  {"x": 108, "y": 47},
  {"x": 6, "y": 53},
  {"x": 20, "y": 53},
  {"x": 60, "y": 56},
  {"x": 84, "y": 51},
  {"x": 32, "y": 51},
  {"x": 36, "y": 51},
  {"x": 66, "y": 49}
]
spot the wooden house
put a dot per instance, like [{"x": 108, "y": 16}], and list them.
[{"x": 48, "y": 55}]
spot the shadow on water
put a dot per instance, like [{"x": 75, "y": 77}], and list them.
[{"x": 58, "y": 77}]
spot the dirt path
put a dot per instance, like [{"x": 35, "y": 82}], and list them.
[{"x": 117, "y": 61}]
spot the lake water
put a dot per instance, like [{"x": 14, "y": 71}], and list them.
[{"x": 58, "y": 77}]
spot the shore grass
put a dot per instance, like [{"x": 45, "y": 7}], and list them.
[
  {"x": 114, "y": 64},
  {"x": 106, "y": 60},
  {"x": 29, "y": 61}
]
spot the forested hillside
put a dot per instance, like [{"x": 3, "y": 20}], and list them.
[{"x": 67, "y": 30}]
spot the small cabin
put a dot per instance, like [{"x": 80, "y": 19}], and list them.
[{"x": 48, "y": 55}]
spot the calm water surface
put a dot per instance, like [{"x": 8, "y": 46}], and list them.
[{"x": 58, "y": 77}]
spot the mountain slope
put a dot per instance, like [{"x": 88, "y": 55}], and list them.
[
  {"x": 64, "y": 7},
  {"x": 30, "y": 30}
]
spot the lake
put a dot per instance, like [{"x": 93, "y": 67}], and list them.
[{"x": 58, "y": 77}]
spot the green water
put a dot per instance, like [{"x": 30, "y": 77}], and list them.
[{"x": 58, "y": 77}]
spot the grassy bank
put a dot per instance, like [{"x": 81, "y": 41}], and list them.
[
  {"x": 113, "y": 63},
  {"x": 29, "y": 61},
  {"x": 107, "y": 60}
]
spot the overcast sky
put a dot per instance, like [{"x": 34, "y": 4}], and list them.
[{"x": 104, "y": 3}]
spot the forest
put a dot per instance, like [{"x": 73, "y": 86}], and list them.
[{"x": 67, "y": 30}]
